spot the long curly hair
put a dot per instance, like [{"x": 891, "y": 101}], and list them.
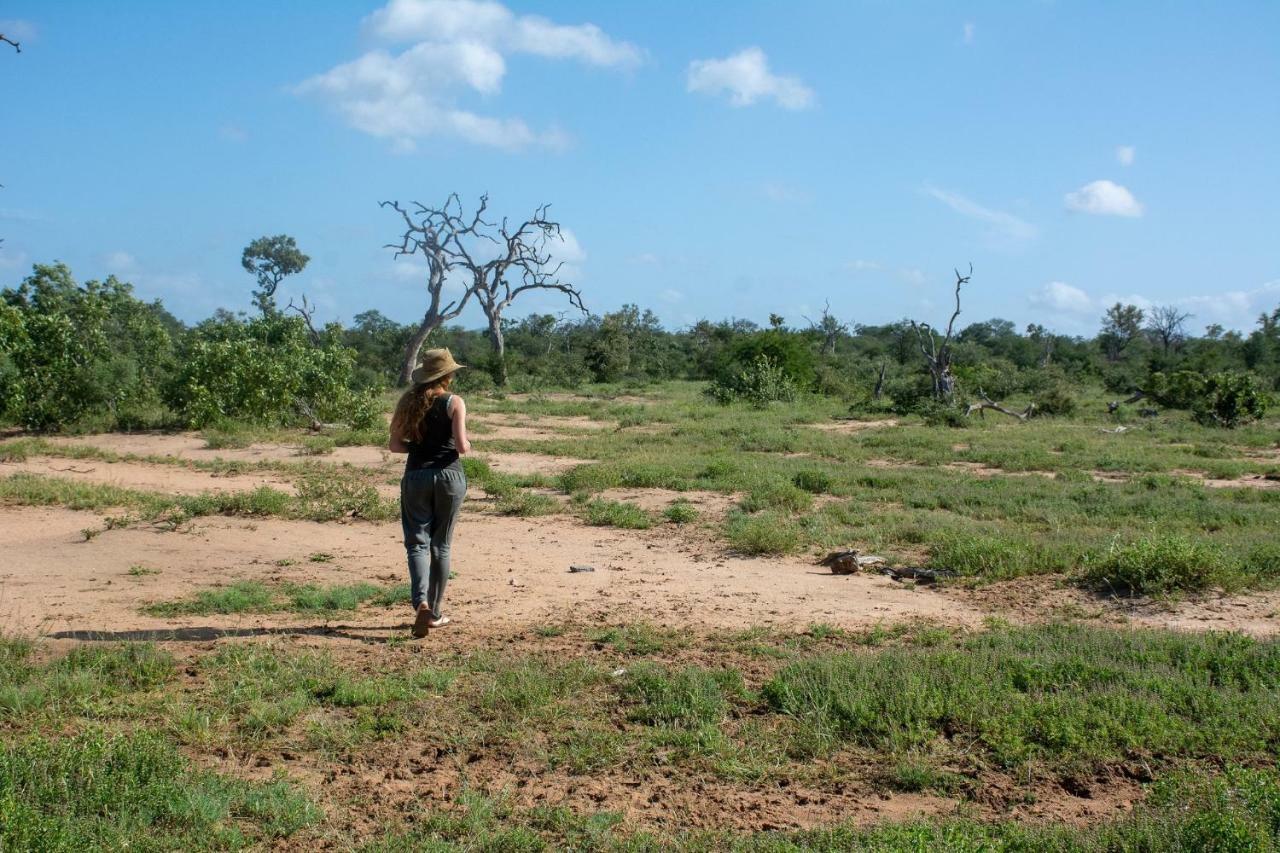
[{"x": 411, "y": 411}]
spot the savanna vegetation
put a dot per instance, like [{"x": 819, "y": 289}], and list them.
[{"x": 1135, "y": 464}]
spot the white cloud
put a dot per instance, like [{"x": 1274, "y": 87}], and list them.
[
  {"x": 1125, "y": 154},
  {"x": 1060, "y": 296},
  {"x": 745, "y": 77},
  {"x": 1002, "y": 225},
  {"x": 648, "y": 259},
  {"x": 671, "y": 295},
  {"x": 1104, "y": 198},
  {"x": 11, "y": 259},
  {"x": 969, "y": 31},
  {"x": 569, "y": 251},
  {"x": 458, "y": 46},
  {"x": 119, "y": 263}
]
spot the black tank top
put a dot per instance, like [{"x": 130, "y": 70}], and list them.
[{"x": 436, "y": 450}]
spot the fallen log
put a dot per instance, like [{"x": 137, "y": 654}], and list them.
[
  {"x": 1114, "y": 405},
  {"x": 988, "y": 403}
]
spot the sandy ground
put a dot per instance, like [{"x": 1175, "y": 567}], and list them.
[{"x": 512, "y": 572}]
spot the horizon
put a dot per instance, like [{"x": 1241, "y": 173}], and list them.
[{"x": 704, "y": 164}]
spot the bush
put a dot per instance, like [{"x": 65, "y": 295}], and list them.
[
  {"x": 1054, "y": 400},
  {"x": 70, "y": 353},
  {"x": 267, "y": 370},
  {"x": 763, "y": 382},
  {"x": 1158, "y": 564},
  {"x": 1230, "y": 400}
]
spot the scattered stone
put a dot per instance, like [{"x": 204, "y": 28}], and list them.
[{"x": 581, "y": 568}]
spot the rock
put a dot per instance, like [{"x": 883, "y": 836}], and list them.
[{"x": 581, "y": 568}]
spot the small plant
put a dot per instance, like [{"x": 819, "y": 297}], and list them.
[
  {"x": 139, "y": 571},
  {"x": 681, "y": 512},
  {"x": 320, "y": 557}
]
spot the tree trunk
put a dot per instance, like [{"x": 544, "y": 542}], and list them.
[
  {"x": 499, "y": 349},
  {"x": 411, "y": 350},
  {"x": 879, "y": 383}
]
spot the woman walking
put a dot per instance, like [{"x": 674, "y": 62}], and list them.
[{"x": 430, "y": 424}]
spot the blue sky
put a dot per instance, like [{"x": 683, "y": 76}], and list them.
[{"x": 709, "y": 160}]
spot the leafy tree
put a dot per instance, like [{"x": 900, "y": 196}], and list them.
[
  {"x": 266, "y": 370},
  {"x": 68, "y": 352},
  {"x": 1120, "y": 326},
  {"x": 271, "y": 259}
]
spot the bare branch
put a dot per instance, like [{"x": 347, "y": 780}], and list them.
[
  {"x": 306, "y": 311},
  {"x": 988, "y": 403},
  {"x": 17, "y": 46}
]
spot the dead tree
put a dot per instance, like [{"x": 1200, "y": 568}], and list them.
[
  {"x": 486, "y": 256},
  {"x": 527, "y": 252},
  {"x": 937, "y": 356},
  {"x": 1167, "y": 326},
  {"x": 879, "y": 389},
  {"x": 829, "y": 328},
  {"x": 17, "y": 46},
  {"x": 988, "y": 403}
]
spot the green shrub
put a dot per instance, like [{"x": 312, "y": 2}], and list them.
[
  {"x": 1230, "y": 400},
  {"x": 1157, "y": 564},
  {"x": 760, "y": 383},
  {"x": 681, "y": 512},
  {"x": 267, "y": 370},
  {"x": 1054, "y": 400}
]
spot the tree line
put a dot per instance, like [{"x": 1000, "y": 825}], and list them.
[{"x": 93, "y": 355}]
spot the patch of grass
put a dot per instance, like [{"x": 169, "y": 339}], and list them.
[
  {"x": 79, "y": 682},
  {"x": 606, "y": 513},
  {"x": 640, "y": 639},
  {"x": 239, "y": 597},
  {"x": 680, "y": 512},
  {"x": 139, "y": 571},
  {"x": 769, "y": 532},
  {"x": 1059, "y": 695},
  {"x": 317, "y": 445},
  {"x": 1158, "y": 564},
  {"x": 99, "y": 791},
  {"x": 526, "y": 504},
  {"x": 314, "y": 598},
  {"x": 684, "y": 698},
  {"x": 320, "y": 557}
]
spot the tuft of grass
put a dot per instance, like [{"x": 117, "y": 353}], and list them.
[
  {"x": 313, "y": 598},
  {"x": 526, "y": 504},
  {"x": 139, "y": 571},
  {"x": 769, "y": 532},
  {"x": 680, "y": 512},
  {"x": 640, "y": 639},
  {"x": 605, "y": 513},
  {"x": 257, "y": 597}
]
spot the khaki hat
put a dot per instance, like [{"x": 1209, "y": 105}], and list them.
[{"x": 436, "y": 363}]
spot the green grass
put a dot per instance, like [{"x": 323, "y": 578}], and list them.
[
  {"x": 257, "y": 597},
  {"x": 101, "y": 791},
  {"x": 320, "y": 498},
  {"x": 606, "y": 513},
  {"x": 681, "y": 512}
]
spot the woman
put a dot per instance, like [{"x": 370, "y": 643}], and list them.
[{"x": 430, "y": 424}]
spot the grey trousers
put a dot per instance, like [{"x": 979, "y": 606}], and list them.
[{"x": 429, "y": 505}]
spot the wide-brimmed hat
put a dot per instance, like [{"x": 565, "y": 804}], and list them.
[{"x": 436, "y": 363}]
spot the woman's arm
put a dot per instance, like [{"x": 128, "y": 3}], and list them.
[
  {"x": 396, "y": 444},
  {"x": 458, "y": 410}
]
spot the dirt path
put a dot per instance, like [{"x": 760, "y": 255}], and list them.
[
  {"x": 511, "y": 572},
  {"x": 171, "y": 479}
]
